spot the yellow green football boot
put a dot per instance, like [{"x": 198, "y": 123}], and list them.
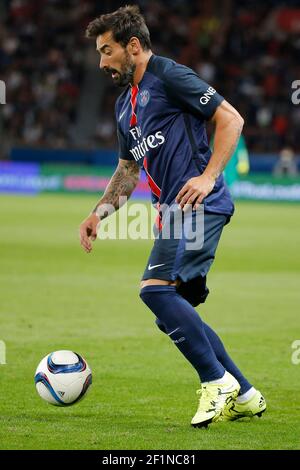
[
  {"x": 253, "y": 407},
  {"x": 213, "y": 397}
]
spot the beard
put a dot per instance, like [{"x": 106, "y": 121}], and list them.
[{"x": 124, "y": 76}]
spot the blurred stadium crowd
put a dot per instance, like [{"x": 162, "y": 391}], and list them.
[{"x": 248, "y": 50}]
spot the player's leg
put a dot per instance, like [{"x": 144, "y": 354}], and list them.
[
  {"x": 196, "y": 291},
  {"x": 186, "y": 329},
  {"x": 158, "y": 291},
  {"x": 183, "y": 326},
  {"x": 250, "y": 402},
  {"x": 222, "y": 356},
  {"x": 225, "y": 359}
]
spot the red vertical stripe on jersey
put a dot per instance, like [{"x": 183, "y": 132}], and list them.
[
  {"x": 158, "y": 221},
  {"x": 134, "y": 93},
  {"x": 154, "y": 188}
]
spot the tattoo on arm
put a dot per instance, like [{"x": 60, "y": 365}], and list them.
[{"x": 120, "y": 187}]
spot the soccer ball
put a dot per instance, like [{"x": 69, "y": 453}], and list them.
[{"x": 62, "y": 378}]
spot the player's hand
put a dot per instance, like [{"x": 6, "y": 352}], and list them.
[
  {"x": 88, "y": 232},
  {"x": 194, "y": 191}
]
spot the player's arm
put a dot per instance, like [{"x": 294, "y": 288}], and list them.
[
  {"x": 228, "y": 127},
  {"x": 118, "y": 190}
]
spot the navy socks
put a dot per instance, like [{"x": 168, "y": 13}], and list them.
[
  {"x": 190, "y": 319},
  {"x": 185, "y": 328},
  {"x": 225, "y": 359}
]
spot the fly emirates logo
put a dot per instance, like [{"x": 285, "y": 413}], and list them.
[{"x": 144, "y": 144}]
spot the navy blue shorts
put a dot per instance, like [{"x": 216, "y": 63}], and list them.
[{"x": 172, "y": 258}]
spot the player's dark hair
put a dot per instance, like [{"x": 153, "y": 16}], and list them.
[{"x": 124, "y": 23}]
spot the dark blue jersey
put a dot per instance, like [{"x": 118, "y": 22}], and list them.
[{"x": 161, "y": 125}]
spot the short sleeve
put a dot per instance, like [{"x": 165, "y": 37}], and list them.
[
  {"x": 190, "y": 92},
  {"x": 123, "y": 152}
]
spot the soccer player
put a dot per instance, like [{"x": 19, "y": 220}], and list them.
[{"x": 161, "y": 118}]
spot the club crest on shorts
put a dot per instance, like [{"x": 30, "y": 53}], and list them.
[{"x": 144, "y": 97}]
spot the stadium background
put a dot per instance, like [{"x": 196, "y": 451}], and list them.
[{"x": 58, "y": 136}]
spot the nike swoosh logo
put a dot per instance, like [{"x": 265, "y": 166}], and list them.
[
  {"x": 173, "y": 331},
  {"x": 121, "y": 115},
  {"x": 155, "y": 266},
  {"x": 229, "y": 390}
]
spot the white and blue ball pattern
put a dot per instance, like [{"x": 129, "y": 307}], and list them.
[{"x": 62, "y": 378}]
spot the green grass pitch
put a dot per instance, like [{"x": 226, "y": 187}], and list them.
[{"x": 54, "y": 296}]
